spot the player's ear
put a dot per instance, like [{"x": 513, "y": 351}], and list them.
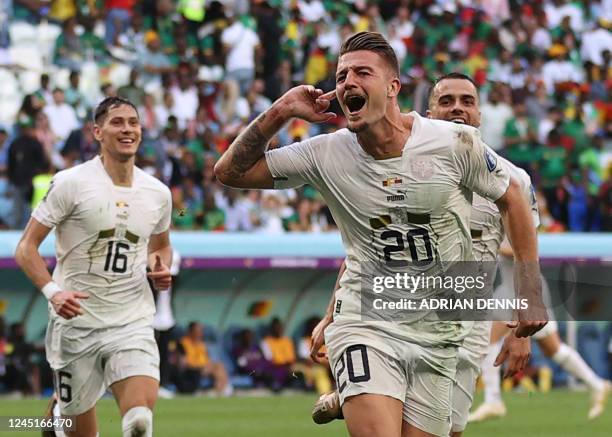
[
  {"x": 394, "y": 87},
  {"x": 96, "y": 132}
]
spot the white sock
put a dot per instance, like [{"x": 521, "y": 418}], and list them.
[
  {"x": 571, "y": 361},
  {"x": 137, "y": 418},
  {"x": 490, "y": 375}
]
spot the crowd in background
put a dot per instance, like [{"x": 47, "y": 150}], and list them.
[
  {"x": 200, "y": 71},
  {"x": 195, "y": 360}
]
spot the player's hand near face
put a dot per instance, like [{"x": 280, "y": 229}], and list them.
[
  {"x": 308, "y": 103},
  {"x": 161, "y": 277},
  {"x": 317, "y": 340},
  {"x": 66, "y": 303},
  {"x": 516, "y": 351}
]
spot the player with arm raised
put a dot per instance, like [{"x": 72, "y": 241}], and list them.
[
  {"x": 454, "y": 98},
  {"x": 111, "y": 221},
  {"x": 391, "y": 180}
]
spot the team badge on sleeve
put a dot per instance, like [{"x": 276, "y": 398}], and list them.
[{"x": 490, "y": 159}]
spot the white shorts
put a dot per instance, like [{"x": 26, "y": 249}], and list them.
[
  {"x": 474, "y": 349},
  {"x": 420, "y": 376},
  {"x": 86, "y": 362}
]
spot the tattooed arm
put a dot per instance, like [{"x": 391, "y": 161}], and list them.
[{"x": 244, "y": 165}]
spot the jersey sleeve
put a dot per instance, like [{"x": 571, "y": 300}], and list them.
[
  {"x": 479, "y": 165},
  {"x": 57, "y": 204},
  {"x": 529, "y": 192},
  {"x": 292, "y": 166},
  {"x": 166, "y": 213}
]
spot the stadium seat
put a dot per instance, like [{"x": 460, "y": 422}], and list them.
[
  {"x": 29, "y": 57},
  {"x": 22, "y": 33},
  {"x": 119, "y": 75},
  {"x": 29, "y": 81}
]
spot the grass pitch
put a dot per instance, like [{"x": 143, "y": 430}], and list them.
[{"x": 559, "y": 413}]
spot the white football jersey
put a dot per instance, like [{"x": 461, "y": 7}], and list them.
[
  {"x": 412, "y": 208},
  {"x": 102, "y": 235},
  {"x": 486, "y": 222}
]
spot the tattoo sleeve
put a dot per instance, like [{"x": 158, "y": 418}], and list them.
[{"x": 247, "y": 149}]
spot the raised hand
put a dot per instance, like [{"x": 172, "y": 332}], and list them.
[
  {"x": 308, "y": 103},
  {"x": 66, "y": 303},
  {"x": 161, "y": 277}
]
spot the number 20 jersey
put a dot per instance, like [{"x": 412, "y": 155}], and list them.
[
  {"x": 102, "y": 235},
  {"x": 411, "y": 208}
]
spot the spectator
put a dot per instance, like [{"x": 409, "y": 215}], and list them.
[
  {"x": 495, "y": 115},
  {"x": 213, "y": 217},
  {"x": 153, "y": 62},
  {"x": 80, "y": 146},
  {"x": 237, "y": 210},
  {"x": 605, "y": 202},
  {"x": 520, "y": 136},
  {"x": 185, "y": 96},
  {"x": 62, "y": 117},
  {"x": 118, "y": 15},
  {"x": 73, "y": 95},
  {"x": 44, "y": 93},
  {"x": 559, "y": 71},
  {"x": 22, "y": 375},
  {"x": 195, "y": 363},
  {"x": 26, "y": 159},
  {"x": 250, "y": 359},
  {"x": 68, "y": 47},
  {"x": 575, "y": 186},
  {"x": 132, "y": 91},
  {"x": 240, "y": 43},
  {"x": 279, "y": 351}
]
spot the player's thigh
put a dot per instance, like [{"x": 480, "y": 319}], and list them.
[
  {"x": 85, "y": 425},
  {"x": 79, "y": 385},
  {"x": 363, "y": 369},
  {"x": 463, "y": 395},
  {"x": 372, "y": 387},
  {"x": 427, "y": 404},
  {"x": 373, "y": 415},
  {"x": 135, "y": 391}
]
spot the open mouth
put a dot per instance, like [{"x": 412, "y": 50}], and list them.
[
  {"x": 354, "y": 103},
  {"x": 458, "y": 120},
  {"x": 126, "y": 140}
]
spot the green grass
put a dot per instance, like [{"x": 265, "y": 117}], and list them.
[{"x": 560, "y": 413}]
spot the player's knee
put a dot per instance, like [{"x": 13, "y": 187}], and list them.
[{"x": 137, "y": 422}]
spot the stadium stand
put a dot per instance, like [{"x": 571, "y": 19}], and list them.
[{"x": 202, "y": 85}]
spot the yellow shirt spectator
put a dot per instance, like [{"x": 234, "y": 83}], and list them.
[
  {"x": 196, "y": 355},
  {"x": 279, "y": 350}
]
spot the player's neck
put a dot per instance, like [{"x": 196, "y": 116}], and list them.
[
  {"x": 120, "y": 172},
  {"x": 387, "y": 138}
]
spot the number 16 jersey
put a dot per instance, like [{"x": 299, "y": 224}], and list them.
[{"x": 102, "y": 235}]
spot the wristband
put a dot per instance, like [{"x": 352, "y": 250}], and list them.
[{"x": 50, "y": 289}]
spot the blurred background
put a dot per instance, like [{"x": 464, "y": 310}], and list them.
[{"x": 257, "y": 267}]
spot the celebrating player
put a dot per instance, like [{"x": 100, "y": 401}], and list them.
[
  {"x": 111, "y": 221},
  {"x": 387, "y": 178},
  {"x": 454, "y": 98}
]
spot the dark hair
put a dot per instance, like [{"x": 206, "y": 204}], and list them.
[
  {"x": 374, "y": 42},
  {"x": 107, "y": 104},
  {"x": 453, "y": 75}
]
